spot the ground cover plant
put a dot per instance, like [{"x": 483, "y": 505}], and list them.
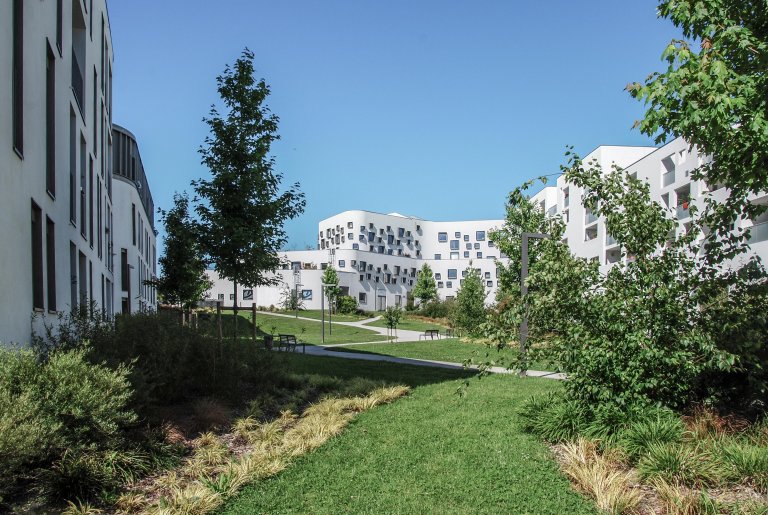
[{"x": 431, "y": 452}]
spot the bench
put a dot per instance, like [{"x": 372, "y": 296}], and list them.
[
  {"x": 289, "y": 343},
  {"x": 431, "y": 334}
]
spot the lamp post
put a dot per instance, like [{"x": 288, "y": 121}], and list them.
[
  {"x": 296, "y": 285},
  {"x": 523, "y": 288},
  {"x": 323, "y": 286}
]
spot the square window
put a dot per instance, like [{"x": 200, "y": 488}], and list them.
[
  {"x": 438, "y": 256},
  {"x": 449, "y": 284},
  {"x": 349, "y": 225},
  {"x": 468, "y": 246},
  {"x": 368, "y": 276},
  {"x": 355, "y": 246},
  {"x": 351, "y": 236},
  {"x": 231, "y": 296},
  {"x": 440, "y": 284},
  {"x": 491, "y": 244},
  {"x": 466, "y": 237},
  {"x": 457, "y": 234},
  {"x": 480, "y": 235},
  {"x": 362, "y": 297},
  {"x": 353, "y": 263},
  {"x": 454, "y": 255},
  {"x": 487, "y": 275},
  {"x": 477, "y": 246},
  {"x": 463, "y": 273},
  {"x": 452, "y": 273},
  {"x": 438, "y": 276},
  {"x": 466, "y": 254},
  {"x": 221, "y": 296},
  {"x": 479, "y": 255},
  {"x": 454, "y": 244},
  {"x": 247, "y": 294},
  {"x": 362, "y": 277},
  {"x": 442, "y": 237},
  {"x": 306, "y": 294},
  {"x": 341, "y": 263},
  {"x": 489, "y": 284}
]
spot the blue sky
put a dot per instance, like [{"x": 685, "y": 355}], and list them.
[{"x": 425, "y": 107}]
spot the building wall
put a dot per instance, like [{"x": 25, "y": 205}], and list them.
[{"x": 59, "y": 204}]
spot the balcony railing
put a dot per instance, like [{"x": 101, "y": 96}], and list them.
[
  {"x": 668, "y": 178},
  {"x": 78, "y": 83},
  {"x": 590, "y": 217},
  {"x": 758, "y": 232},
  {"x": 610, "y": 240},
  {"x": 683, "y": 211}
]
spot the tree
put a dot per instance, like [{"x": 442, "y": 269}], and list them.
[
  {"x": 715, "y": 98},
  {"x": 182, "y": 268},
  {"x": 392, "y": 318},
  {"x": 333, "y": 291},
  {"x": 242, "y": 210},
  {"x": 425, "y": 289},
  {"x": 469, "y": 313}
]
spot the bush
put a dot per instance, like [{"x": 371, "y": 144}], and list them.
[
  {"x": 662, "y": 428},
  {"x": 438, "y": 309},
  {"x": 552, "y": 418},
  {"x": 676, "y": 463},
  {"x": 58, "y": 410},
  {"x": 346, "y": 304}
]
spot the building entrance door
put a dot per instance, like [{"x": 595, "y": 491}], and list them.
[{"x": 381, "y": 303}]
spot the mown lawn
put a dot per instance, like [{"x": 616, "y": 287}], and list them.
[
  {"x": 447, "y": 349},
  {"x": 268, "y": 324},
  {"x": 411, "y": 324},
  {"x": 317, "y": 315},
  {"x": 431, "y": 452}
]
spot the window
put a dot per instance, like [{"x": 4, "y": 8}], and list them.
[
  {"x": 438, "y": 276},
  {"x": 442, "y": 237},
  {"x": 221, "y": 296},
  {"x": 133, "y": 223},
  {"x": 17, "y": 112},
  {"x": 452, "y": 273},
  {"x": 50, "y": 123},
  {"x": 477, "y": 246},
  {"x": 440, "y": 284},
  {"x": 466, "y": 237},
  {"x": 463, "y": 273},
  {"x": 50, "y": 262},
  {"x": 59, "y": 25},
  {"x": 362, "y": 297},
  {"x": 487, "y": 275},
  {"x": 247, "y": 294},
  {"x": 306, "y": 294},
  {"x": 349, "y": 225},
  {"x": 480, "y": 235},
  {"x": 37, "y": 257},
  {"x": 231, "y": 296},
  {"x": 489, "y": 284},
  {"x": 466, "y": 254},
  {"x": 353, "y": 263},
  {"x": 491, "y": 244},
  {"x": 342, "y": 263},
  {"x": 391, "y": 239},
  {"x": 438, "y": 256},
  {"x": 362, "y": 277},
  {"x": 83, "y": 189},
  {"x": 400, "y": 232},
  {"x": 457, "y": 234},
  {"x": 454, "y": 255},
  {"x": 454, "y": 244},
  {"x": 479, "y": 255},
  {"x": 72, "y": 168},
  {"x": 449, "y": 284},
  {"x": 350, "y": 236},
  {"x": 78, "y": 56},
  {"x": 355, "y": 246}
]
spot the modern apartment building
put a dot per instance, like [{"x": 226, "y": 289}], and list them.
[
  {"x": 668, "y": 171},
  {"x": 378, "y": 257},
  {"x": 62, "y": 209}
]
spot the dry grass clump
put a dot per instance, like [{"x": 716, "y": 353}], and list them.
[
  {"x": 600, "y": 476},
  {"x": 221, "y": 466},
  {"x": 210, "y": 414}
]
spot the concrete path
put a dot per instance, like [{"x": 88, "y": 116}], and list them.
[{"x": 403, "y": 335}]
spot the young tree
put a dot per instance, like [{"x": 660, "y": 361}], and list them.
[
  {"x": 392, "y": 318},
  {"x": 469, "y": 313},
  {"x": 425, "y": 289},
  {"x": 333, "y": 291},
  {"x": 182, "y": 268},
  {"x": 715, "y": 98},
  {"x": 242, "y": 209}
]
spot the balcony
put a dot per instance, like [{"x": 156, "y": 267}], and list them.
[
  {"x": 78, "y": 83},
  {"x": 668, "y": 178},
  {"x": 610, "y": 240},
  {"x": 683, "y": 211},
  {"x": 589, "y": 217},
  {"x": 758, "y": 233}
]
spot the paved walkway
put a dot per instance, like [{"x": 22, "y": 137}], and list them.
[{"x": 403, "y": 336}]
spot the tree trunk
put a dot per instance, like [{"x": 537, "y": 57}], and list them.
[
  {"x": 234, "y": 309},
  {"x": 218, "y": 318},
  {"x": 253, "y": 320}
]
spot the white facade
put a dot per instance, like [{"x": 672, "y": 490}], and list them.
[
  {"x": 59, "y": 207},
  {"x": 668, "y": 171},
  {"x": 378, "y": 257}
]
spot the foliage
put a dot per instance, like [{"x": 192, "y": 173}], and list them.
[
  {"x": 438, "y": 308},
  {"x": 346, "y": 304},
  {"x": 469, "y": 312},
  {"x": 332, "y": 292},
  {"x": 392, "y": 316},
  {"x": 242, "y": 210},
  {"x": 59, "y": 408},
  {"x": 291, "y": 299},
  {"x": 182, "y": 268},
  {"x": 715, "y": 98},
  {"x": 425, "y": 289}
]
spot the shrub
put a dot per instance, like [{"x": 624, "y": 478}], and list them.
[
  {"x": 346, "y": 304},
  {"x": 660, "y": 428},
  {"x": 691, "y": 465},
  {"x": 469, "y": 312},
  {"x": 552, "y": 418},
  {"x": 438, "y": 309},
  {"x": 746, "y": 462}
]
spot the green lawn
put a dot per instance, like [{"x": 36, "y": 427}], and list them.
[
  {"x": 411, "y": 324},
  {"x": 431, "y": 452},
  {"x": 447, "y": 349},
  {"x": 317, "y": 315},
  {"x": 284, "y": 325}
]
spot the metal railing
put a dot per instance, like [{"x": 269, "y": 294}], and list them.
[
  {"x": 610, "y": 240},
  {"x": 78, "y": 83},
  {"x": 758, "y": 232},
  {"x": 683, "y": 211},
  {"x": 668, "y": 178}
]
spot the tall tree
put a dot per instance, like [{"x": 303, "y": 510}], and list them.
[
  {"x": 425, "y": 289},
  {"x": 242, "y": 209},
  {"x": 470, "y": 303},
  {"x": 332, "y": 292},
  {"x": 716, "y": 97},
  {"x": 182, "y": 267}
]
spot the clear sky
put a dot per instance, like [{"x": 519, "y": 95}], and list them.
[{"x": 432, "y": 108}]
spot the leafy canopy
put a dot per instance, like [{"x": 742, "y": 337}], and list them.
[
  {"x": 469, "y": 312},
  {"x": 425, "y": 288}
]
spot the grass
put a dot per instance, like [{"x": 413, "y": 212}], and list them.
[
  {"x": 410, "y": 323},
  {"x": 451, "y": 350},
  {"x": 283, "y": 325},
  {"x": 431, "y": 452}
]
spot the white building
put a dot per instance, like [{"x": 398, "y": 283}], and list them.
[
  {"x": 61, "y": 211},
  {"x": 378, "y": 257},
  {"x": 668, "y": 170}
]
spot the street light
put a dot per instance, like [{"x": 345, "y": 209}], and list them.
[
  {"x": 523, "y": 288},
  {"x": 323, "y": 286}
]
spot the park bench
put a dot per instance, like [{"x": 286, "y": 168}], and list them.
[
  {"x": 431, "y": 334},
  {"x": 288, "y": 342}
]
